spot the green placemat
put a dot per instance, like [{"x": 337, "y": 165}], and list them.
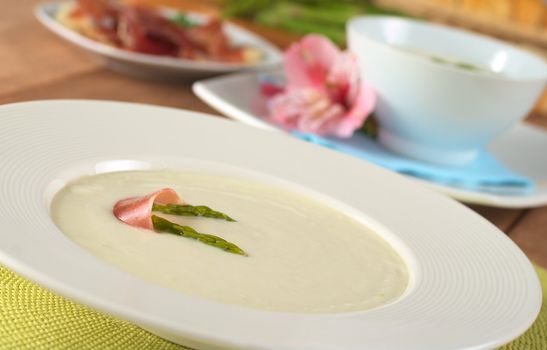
[
  {"x": 32, "y": 317},
  {"x": 535, "y": 337}
]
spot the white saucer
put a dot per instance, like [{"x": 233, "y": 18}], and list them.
[
  {"x": 161, "y": 66},
  {"x": 471, "y": 287},
  {"x": 521, "y": 149}
]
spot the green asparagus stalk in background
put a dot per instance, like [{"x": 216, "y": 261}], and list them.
[
  {"x": 325, "y": 17},
  {"x": 190, "y": 210},
  {"x": 301, "y": 26},
  {"x": 163, "y": 225},
  {"x": 244, "y": 8}
]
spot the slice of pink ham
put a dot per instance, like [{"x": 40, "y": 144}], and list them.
[{"x": 137, "y": 211}]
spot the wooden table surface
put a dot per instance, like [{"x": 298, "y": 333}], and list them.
[{"x": 36, "y": 64}]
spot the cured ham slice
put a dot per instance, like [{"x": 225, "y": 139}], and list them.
[
  {"x": 149, "y": 30},
  {"x": 137, "y": 211},
  {"x": 143, "y": 30}
]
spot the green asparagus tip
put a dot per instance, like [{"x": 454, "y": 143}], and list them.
[
  {"x": 190, "y": 210},
  {"x": 163, "y": 225}
]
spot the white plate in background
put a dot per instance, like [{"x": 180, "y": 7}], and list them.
[
  {"x": 471, "y": 287},
  {"x": 521, "y": 149},
  {"x": 162, "y": 66}
]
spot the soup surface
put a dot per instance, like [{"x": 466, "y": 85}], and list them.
[
  {"x": 304, "y": 256},
  {"x": 451, "y": 61}
]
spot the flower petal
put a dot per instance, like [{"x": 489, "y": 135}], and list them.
[
  {"x": 320, "y": 124},
  {"x": 308, "y": 61},
  {"x": 361, "y": 107},
  {"x": 268, "y": 89},
  {"x": 342, "y": 77},
  {"x": 287, "y": 107}
]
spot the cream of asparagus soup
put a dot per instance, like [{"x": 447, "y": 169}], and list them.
[
  {"x": 231, "y": 240},
  {"x": 450, "y": 61}
]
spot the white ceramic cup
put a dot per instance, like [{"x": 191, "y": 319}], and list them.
[{"x": 439, "y": 112}]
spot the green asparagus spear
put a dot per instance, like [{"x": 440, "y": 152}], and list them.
[
  {"x": 190, "y": 210},
  {"x": 245, "y": 8},
  {"x": 271, "y": 19},
  {"x": 328, "y": 14},
  {"x": 163, "y": 225},
  {"x": 325, "y": 17}
]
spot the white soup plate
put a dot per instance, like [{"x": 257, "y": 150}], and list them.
[{"x": 470, "y": 287}]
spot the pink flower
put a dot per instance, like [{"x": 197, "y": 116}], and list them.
[{"x": 324, "y": 94}]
